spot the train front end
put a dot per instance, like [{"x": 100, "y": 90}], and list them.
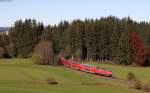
[{"x": 104, "y": 72}]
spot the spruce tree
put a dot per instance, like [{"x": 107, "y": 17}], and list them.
[{"x": 124, "y": 49}]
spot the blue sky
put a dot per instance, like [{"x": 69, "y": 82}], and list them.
[{"x": 53, "y": 11}]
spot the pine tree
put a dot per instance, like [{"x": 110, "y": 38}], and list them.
[
  {"x": 74, "y": 39},
  {"x": 47, "y": 33},
  {"x": 124, "y": 48},
  {"x": 15, "y": 35},
  {"x": 24, "y": 36},
  {"x": 114, "y": 44}
]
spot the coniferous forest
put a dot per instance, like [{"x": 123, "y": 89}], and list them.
[{"x": 121, "y": 41}]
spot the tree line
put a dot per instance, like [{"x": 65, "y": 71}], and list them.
[{"x": 106, "y": 38}]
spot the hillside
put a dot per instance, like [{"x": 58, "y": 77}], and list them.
[
  {"x": 21, "y": 76},
  {"x": 2, "y": 29}
]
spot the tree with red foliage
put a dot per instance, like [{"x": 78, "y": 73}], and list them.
[{"x": 139, "y": 53}]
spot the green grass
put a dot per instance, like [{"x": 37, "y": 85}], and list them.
[
  {"x": 141, "y": 73},
  {"x": 22, "y": 76}
]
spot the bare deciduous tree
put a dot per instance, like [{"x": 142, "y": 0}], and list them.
[{"x": 43, "y": 53}]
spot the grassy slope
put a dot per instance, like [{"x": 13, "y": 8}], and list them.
[
  {"x": 21, "y": 76},
  {"x": 141, "y": 73}
]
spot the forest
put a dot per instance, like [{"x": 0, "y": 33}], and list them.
[{"x": 121, "y": 41}]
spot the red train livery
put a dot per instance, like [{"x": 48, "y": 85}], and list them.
[{"x": 85, "y": 67}]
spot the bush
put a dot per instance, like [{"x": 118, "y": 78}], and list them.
[
  {"x": 146, "y": 87},
  {"x": 43, "y": 53},
  {"x": 131, "y": 76},
  {"x": 51, "y": 80},
  {"x": 142, "y": 86},
  {"x": 138, "y": 85}
]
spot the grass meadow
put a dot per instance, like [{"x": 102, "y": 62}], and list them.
[{"x": 22, "y": 76}]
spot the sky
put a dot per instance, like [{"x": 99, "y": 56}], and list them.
[{"x": 53, "y": 11}]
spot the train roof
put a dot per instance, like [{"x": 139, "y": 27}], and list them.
[
  {"x": 82, "y": 64},
  {"x": 88, "y": 65}
]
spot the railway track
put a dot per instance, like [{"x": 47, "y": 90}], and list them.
[
  {"x": 116, "y": 79},
  {"x": 91, "y": 70},
  {"x": 113, "y": 78}
]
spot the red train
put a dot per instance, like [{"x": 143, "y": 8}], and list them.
[{"x": 85, "y": 67}]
